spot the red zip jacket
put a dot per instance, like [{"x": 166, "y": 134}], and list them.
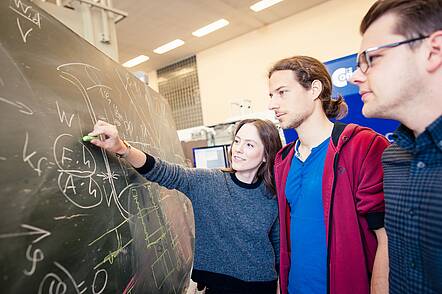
[{"x": 353, "y": 199}]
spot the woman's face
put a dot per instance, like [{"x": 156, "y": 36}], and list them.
[{"x": 247, "y": 149}]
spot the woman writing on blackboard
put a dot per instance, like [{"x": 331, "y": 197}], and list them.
[{"x": 236, "y": 213}]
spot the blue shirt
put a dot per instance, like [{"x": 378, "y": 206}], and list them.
[
  {"x": 413, "y": 201},
  {"x": 308, "y": 269}
]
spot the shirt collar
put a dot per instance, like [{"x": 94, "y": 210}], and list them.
[
  {"x": 435, "y": 130},
  {"x": 404, "y": 137},
  {"x": 253, "y": 185}
]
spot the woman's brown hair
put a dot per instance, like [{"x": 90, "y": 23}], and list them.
[{"x": 269, "y": 135}]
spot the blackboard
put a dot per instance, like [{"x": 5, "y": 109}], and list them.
[{"x": 75, "y": 219}]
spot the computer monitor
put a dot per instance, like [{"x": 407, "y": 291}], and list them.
[{"x": 210, "y": 157}]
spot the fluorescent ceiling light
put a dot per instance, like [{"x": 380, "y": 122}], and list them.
[
  {"x": 135, "y": 61},
  {"x": 261, "y": 5},
  {"x": 210, "y": 28},
  {"x": 169, "y": 46}
]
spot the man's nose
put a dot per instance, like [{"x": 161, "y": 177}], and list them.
[
  {"x": 272, "y": 105},
  {"x": 357, "y": 77}
]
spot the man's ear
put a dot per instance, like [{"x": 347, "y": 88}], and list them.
[
  {"x": 435, "y": 54},
  {"x": 316, "y": 89}
]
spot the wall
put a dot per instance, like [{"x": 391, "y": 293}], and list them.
[
  {"x": 237, "y": 69},
  {"x": 87, "y": 22},
  {"x": 153, "y": 80}
]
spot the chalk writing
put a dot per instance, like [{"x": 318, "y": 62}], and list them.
[
  {"x": 32, "y": 231},
  {"x": 57, "y": 285},
  {"x": 77, "y": 219},
  {"x": 19, "y": 105},
  {"x": 27, "y": 157},
  {"x": 102, "y": 273},
  {"x": 64, "y": 217},
  {"x": 25, "y": 12},
  {"x": 62, "y": 116},
  {"x": 37, "y": 256}
]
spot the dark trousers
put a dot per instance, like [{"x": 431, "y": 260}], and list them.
[
  {"x": 215, "y": 283},
  {"x": 264, "y": 288}
]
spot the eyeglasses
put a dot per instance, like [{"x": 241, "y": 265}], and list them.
[{"x": 364, "y": 59}]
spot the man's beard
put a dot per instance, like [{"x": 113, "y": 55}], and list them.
[{"x": 296, "y": 121}]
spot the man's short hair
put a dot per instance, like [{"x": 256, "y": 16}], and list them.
[{"x": 415, "y": 17}]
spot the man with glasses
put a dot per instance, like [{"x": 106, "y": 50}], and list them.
[{"x": 400, "y": 77}]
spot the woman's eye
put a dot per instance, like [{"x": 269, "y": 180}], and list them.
[
  {"x": 249, "y": 145},
  {"x": 282, "y": 92}
]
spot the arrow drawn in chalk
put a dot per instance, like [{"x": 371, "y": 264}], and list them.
[
  {"x": 32, "y": 231},
  {"x": 23, "y": 35},
  {"x": 21, "y": 106}
]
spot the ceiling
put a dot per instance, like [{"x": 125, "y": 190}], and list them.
[{"x": 152, "y": 23}]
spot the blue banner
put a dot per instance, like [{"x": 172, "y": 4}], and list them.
[{"x": 341, "y": 70}]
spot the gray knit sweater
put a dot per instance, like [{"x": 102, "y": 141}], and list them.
[{"x": 236, "y": 224}]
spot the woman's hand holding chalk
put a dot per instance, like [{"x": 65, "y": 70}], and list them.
[{"x": 89, "y": 138}]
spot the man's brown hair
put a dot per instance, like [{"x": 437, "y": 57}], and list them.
[
  {"x": 416, "y": 18},
  {"x": 307, "y": 69}
]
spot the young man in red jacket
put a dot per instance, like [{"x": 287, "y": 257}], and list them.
[{"x": 330, "y": 188}]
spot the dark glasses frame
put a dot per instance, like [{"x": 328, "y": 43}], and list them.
[{"x": 364, "y": 59}]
